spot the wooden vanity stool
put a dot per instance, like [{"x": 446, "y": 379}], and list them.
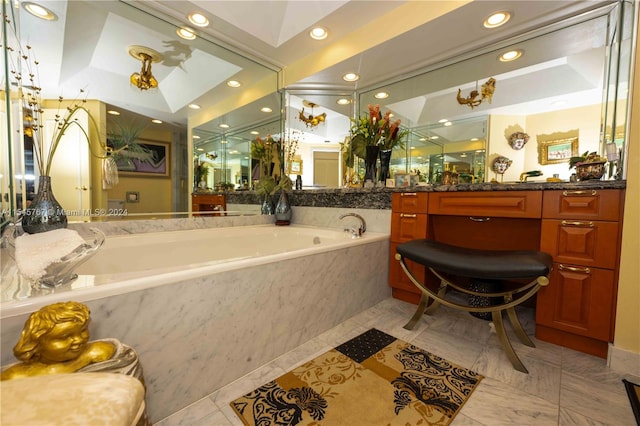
[{"x": 474, "y": 264}]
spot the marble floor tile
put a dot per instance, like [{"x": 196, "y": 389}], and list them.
[{"x": 563, "y": 387}]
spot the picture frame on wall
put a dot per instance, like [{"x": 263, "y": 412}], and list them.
[
  {"x": 150, "y": 159},
  {"x": 557, "y": 151}
]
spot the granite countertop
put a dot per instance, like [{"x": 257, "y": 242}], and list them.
[{"x": 380, "y": 197}]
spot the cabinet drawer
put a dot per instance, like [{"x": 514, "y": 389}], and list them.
[
  {"x": 588, "y": 243},
  {"x": 523, "y": 204},
  {"x": 409, "y": 202},
  {"x": 600, "y": 204},
  {"x": 408, "y": 226},
  {"x": 578, "y": 302}
]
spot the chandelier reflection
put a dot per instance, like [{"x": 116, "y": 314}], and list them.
[
  {"x": 311, "y": 120},
  {"x": 476, "y": 97},
  {"x": 144, "y": 79}
]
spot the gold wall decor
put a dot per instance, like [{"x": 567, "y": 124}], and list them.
[
  {"x": 557, "y": 151},
  {"x": 486, "y": 92}
]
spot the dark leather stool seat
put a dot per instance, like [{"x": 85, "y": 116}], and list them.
[{"x": 478, "y": 264}]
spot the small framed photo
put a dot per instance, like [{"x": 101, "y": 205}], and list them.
[
  {"x": 133, "y": 197},
  {"x": 402, "y": 180}
]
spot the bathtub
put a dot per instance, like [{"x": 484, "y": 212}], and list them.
[{"x": 204, "y": 307}]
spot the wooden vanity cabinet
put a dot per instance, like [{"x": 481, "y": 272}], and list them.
[
  {"x": 581, "y": 230},
  {"x": 408, "y": 222},
  {"x": 208, "y": 203}
]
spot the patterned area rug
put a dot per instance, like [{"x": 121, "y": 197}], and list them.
[
  {"x": 373, "y": 379},
  {"x": 633, "y": 391}
]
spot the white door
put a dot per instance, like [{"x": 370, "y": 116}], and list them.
[
  {"x": 326, "y": 171},
  {"x": 70, "y": 168}
]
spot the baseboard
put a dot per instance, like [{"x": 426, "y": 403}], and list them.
[{"x": 623, "y": 361}]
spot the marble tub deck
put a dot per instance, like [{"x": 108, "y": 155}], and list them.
[{"x": 564, "y": 387}]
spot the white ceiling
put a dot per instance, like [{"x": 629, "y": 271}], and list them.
[{"x": 380, "y": 40}]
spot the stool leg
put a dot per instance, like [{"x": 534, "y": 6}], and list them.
[
  {"x": 517, "y": 327},
  {"x": 506, "y": 344},
  {"x": 441, "y": 293},
  {"x": 418, "y": 314}
]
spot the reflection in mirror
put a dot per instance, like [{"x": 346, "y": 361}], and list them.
[
  {"x": 99, "y": 47},
  {"x": 553, "y": 90}
]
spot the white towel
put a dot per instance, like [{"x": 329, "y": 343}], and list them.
[{"x": 34, "y": 252}]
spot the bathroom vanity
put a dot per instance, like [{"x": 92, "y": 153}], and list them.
[{"x": 579, "y": 224}]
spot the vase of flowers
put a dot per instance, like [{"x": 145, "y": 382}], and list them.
[{"x": 375, "y": 130}]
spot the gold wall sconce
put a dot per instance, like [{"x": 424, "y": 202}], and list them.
[
  {"x": 311, "y": 120},
  {"x": 144, "y": 79},
  {"x": 476, "y": 97}
]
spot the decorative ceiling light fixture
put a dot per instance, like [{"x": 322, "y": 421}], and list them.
[
  {"x": 311, "y": 121},
  {"x": 486, "y": 92},
  {"x": 144, "y": 79}
]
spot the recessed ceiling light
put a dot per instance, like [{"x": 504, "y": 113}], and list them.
[
  {"x": 343, "y": 101},
  {"x": 39, "y": 11},
  {"x": 113, "y": 112},
  {"x": 318, "y": 33},
  {"x": 443, "y": 120},
  {"x": 198, "y": 19},
  {"x": 474, "y": 139},
  {"x": 200, "y": 149},
  {"x": 223, "y": 126},
  {"x": 186, "y": 33},
  {"x": 448, "y": 123},
  {"x": 422, "y": 140},
  {"x": 266, "y": 109},
  {"x": 434, "y": 137},
  {"x": 196, "y": 137},
  {"x": 413, "y": 147},
  {"x": 194, "y": 106},
  {"x": 156, "y": 121},
  {"x": 233, "y": 83},
  {"x": 223, "y": 141},
  {"x": 254, "y": 132},
  {"x": 511, "y": 55},
  {"x": 381, "y": 95},
  {"x": 351, "y": 76},
  {"x": 497, "y": 19}
]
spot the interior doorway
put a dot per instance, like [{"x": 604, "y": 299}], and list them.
[{"x": 326, "y": 170}]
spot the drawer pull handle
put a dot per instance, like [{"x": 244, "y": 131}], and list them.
[
  {"x": 407, "y": 215},
  {"x": 574, "y": 269},
  {"x": 479, "y": 219},
  {"x": 577, "y": 223},
  {"x": 567, "y": 193},
  {"x": 408, "y": 194}
]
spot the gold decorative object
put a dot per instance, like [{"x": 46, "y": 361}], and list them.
[
  {"x": 311, "y": 120},
  {"x": 486, "y": 92},
  {"x": 55, "y": 340},
  {"x": 557, "y": 151},
  {"x": 500, "y": 166},
  {"x": 144, "y": 79}
]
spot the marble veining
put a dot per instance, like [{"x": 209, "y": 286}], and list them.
[{"x": 563, "y": 388}]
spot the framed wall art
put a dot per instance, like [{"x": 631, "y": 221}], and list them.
[
  {"x": 557, "y": 151},
  {"x": 148, "y": 158}
]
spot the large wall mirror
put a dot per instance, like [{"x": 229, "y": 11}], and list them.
[
  {"x": 97, "y": 47},
  {"x": 560, "y": 85}
]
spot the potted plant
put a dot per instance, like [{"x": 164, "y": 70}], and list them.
[
  {"x": 588, "y": 166},
  {"x": 375, "y": 135}
]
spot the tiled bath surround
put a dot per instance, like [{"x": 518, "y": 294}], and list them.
[{"x": 194, "y": 337}]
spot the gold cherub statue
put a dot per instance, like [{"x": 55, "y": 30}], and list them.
[{"x": 55, "y": 339}]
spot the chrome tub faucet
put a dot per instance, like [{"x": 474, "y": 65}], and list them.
[{"x": 356, "y": 232}]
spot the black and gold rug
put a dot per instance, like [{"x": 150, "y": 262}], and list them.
[
  {"x": 373, "y": 379},
  {"x": 633, "y": 391}
]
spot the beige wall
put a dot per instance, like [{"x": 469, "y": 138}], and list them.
[{"x": 627, "y": 335}]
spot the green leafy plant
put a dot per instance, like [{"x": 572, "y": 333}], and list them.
[{"x": 267, "y": 185}]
